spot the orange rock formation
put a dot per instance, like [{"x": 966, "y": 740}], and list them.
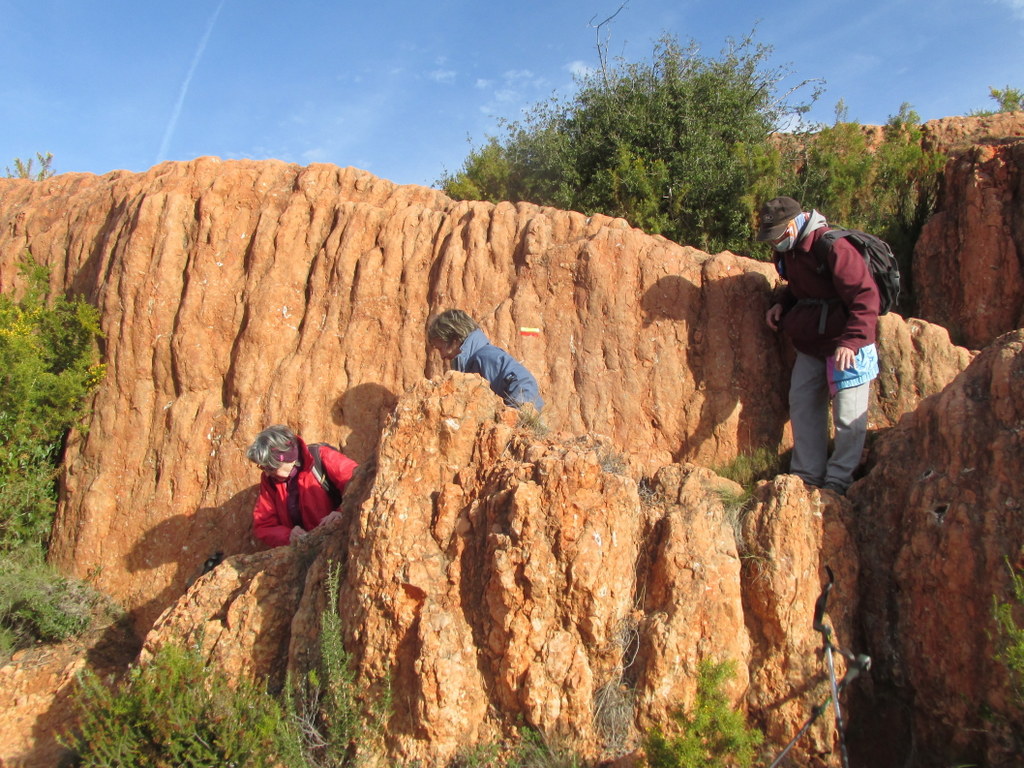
[{"x": 494, "y": 576}]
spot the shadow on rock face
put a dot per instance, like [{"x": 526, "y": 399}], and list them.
[
  {"x": 363, "y": 410},
  {"x": 729, "y": 349},
  {"x": 192, "y": 543}
]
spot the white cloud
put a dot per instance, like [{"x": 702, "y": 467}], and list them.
[
  {"x": 483, "y": 84},
  {"x": 1016, "y": 6},
  {"x": 442, "y": 76},
  {"x": 518, "y": 76},
  {"x": 505, "y": 95},
  {"x": 316, "y": 155},
  {"x": 579, "y": 69}
]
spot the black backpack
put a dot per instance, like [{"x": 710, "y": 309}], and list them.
[
  {"x": 321, "y": 476},
  {"x": 878, "y": 256}
]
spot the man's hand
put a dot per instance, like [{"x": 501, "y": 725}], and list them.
[
  {"x": 296, "y": 534},
  {"x": 844, "y": 358},
  {"x": 773, "y": 316}
]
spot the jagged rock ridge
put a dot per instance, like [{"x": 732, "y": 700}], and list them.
[{"x": 234, "y": 295}]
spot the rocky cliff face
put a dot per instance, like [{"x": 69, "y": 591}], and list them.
[
  {"x": 969, "y": 261},
  {"x": 493, "y": 576},
  {"x": 237, "y": 295},
  {"x": 941, "y": 527},
  {"x": 495, "y": 579}
]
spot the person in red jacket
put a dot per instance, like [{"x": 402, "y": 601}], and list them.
[{"x": 292, "y": 500}]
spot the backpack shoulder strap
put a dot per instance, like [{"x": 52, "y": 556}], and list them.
[
  {"x": 321, "y": 475},
  {"x": 823, "y": 247}
]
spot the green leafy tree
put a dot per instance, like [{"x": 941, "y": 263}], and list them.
[
  {"x": 23, "y": 168},
  {"x": 664, "y": 144}
]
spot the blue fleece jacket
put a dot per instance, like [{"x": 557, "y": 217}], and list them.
[{"x": 508, "y": 377}]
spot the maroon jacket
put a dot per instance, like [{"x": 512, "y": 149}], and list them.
[
  {"x": 270, "y": 521},
  {"x": 852, "y": 313}
]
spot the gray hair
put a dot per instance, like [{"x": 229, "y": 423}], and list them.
[
  {"x": 451, "y": 325},
  {"x": 275, "y": 439}
]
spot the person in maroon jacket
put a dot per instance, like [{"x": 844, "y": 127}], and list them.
[
  {"x": 292, "y": 500},
  {"x": 829, "y": 309}
]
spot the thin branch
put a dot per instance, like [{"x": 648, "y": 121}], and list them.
[{"x": 602, "y": 46}]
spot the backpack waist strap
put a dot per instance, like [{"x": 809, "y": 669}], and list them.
[{"x": 824, "y": 304}]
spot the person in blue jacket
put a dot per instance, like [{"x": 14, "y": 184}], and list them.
[{"x": 459, "y": 340}]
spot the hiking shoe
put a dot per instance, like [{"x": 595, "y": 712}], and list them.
[{"x": 835, "y": 488}]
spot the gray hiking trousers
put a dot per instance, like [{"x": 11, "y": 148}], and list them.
[{"x": 808, "y": 411}]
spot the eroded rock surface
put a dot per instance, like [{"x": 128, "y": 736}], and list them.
[
  {"x": 495, "y": 579},
  {"x": 969, "y": 261},
  {"x": 940, "y": 526},
  {"x": 235, "y": 295}
]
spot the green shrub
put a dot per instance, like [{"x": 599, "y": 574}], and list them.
[
  {"x": 37, "y": 604},
  {"x": 47, "y": 370},
  {"x": 1008, "y": 100},
  {"x": 712, "y": 734},
  {"x": 325, "y": 707},
  {"x": 48, "y": 367},
  {"x": 178, "y": 711},
  {"x": 23, "y": 168},
  {"x": 1010, "y": 638},
  {"x": 658, "y": 142}
]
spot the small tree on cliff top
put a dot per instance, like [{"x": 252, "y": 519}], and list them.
[{"x": 23, "y": 168}]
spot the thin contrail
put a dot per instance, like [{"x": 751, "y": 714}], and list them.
[{"x": 162, "y": 155}]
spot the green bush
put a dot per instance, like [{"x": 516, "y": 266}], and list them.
[
  {"x": 660, "y": 143},
  {"x": 37, "y": 604},
  {"x": 1010, "y": 638},
  {"x": 1008, "y": 100},
  {"x": 23, "y": 168},
  {"x": 178, "y": 711},
  {"x": 48, "y": 367},
  {"x": 325, "y": 707},
  {"x": 711, "y": 735}
]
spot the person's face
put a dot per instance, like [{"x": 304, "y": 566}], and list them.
[
  {"x": 448, "y": 350},
  {"x": 281, "y": 472}
]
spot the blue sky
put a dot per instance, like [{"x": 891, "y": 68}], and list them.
[{"x": 403, "y": 89}]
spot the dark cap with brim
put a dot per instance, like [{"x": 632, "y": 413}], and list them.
[{"x": 775, "y": 217}]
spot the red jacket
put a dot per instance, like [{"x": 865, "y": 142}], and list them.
[
  {"x": 270, "y": 521},
  {"x": 853, "y": 313}
]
